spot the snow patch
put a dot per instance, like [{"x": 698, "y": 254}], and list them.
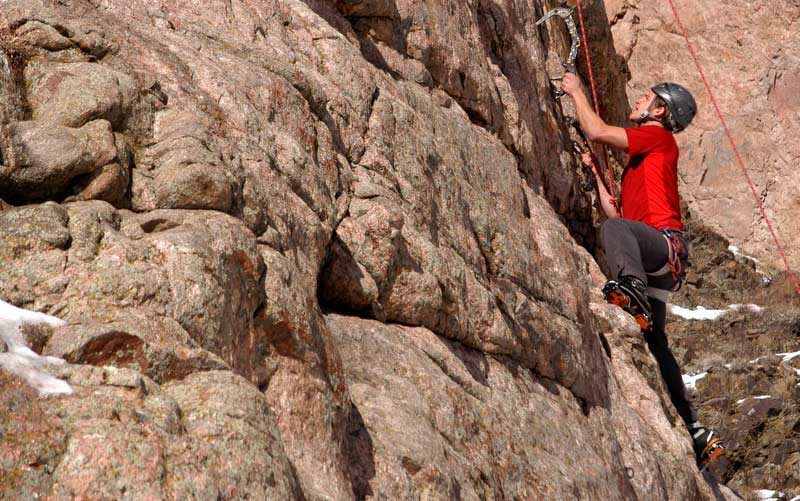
[
  {"x": 738, "y": 253},
  {"x": 690, "y": 381},
  {"x": 768, "y": 495},
  {"x": 788, "y": 357},
  {"x": 766, "y": 279},
  {"x": 760, "y": 397},
  {"x": 751, "y": 307},
  {"x": 21, "y": 360},
  {"x": 701, "y": 313}
]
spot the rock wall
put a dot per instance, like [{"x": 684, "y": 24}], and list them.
[
  {"x": 748, "y": 52},
  {"x": 313, "y": 250}
]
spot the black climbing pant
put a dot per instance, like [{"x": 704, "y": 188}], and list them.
[
  {"x": 670, "y": 371},
  {"x": 636, "y": 249}
]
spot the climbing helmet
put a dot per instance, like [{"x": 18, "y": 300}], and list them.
[{"x": 680, "y": 103}]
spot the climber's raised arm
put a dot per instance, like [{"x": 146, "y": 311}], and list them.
[{"x": 594, "y": 126}]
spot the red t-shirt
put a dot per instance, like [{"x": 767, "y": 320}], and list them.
[{"x": 650, "y": 180}]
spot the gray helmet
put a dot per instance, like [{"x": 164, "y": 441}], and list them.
[{"x": 680, "y": 103}]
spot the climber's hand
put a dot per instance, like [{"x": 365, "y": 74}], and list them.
[
  {"x": 570, "y": 83},
  {"x": 589, "y": 161}
]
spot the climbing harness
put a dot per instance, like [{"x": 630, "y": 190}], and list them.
[
  {"x": 569, "y": 65},
  {"x": 676, "y": 255}
]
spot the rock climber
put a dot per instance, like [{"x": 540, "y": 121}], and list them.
[{"x": 643, "y": 236}]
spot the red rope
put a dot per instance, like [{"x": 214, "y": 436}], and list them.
[
  {"x": 606, "y": 171},
  {"x": 588, "y": 58},
  {"x": 742, "y": 166}
]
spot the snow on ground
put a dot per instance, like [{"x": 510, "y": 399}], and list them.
[
  {"x": 788, "y": 357},
  {"x": 765, "y": 277},
  {"x": 751, "y": 307},
  {"x": 760, "y": 397},
  {"x": 690, "y": 381},
  {"x": 768, "y": 495},
  {"x": 738, "y": 253},
  {"x": 701, "y": 313},
  {"x": 698, "y": 313},
  {"x": 20, "y": 359}
]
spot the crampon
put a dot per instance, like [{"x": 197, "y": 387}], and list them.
[
  {"x": 624, "y": 296},
  {"x": 711, "y": 454}
]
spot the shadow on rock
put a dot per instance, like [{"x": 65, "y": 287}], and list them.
[{"x": 361, "y": 454}]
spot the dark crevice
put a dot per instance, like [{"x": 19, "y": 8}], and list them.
[
  {"x": 478, "y": 120},
  {"x": 360, "y": 452},
  {"x": 17, "y": 106}
]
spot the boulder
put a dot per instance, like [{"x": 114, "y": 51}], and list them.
[
  {"x": 121, "y": 435},
  {"x": 42, "y": 161},
  {"x": 72, "y": 94}
]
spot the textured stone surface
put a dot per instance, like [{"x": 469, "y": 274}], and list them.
[
  {"x": 71, "y": 94},
  {"x": 431, "y": 419},
  {"x": 41, "y": 161},
  {"x": 121, "y": 435},
  {"x": 284, "y": 166}
]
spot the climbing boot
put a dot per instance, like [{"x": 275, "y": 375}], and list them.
[
  {"x": 629, "y": 293},
  {"x": 708, "y": 447}
]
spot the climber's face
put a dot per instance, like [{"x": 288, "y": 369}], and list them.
[{"x": 642, "y": 105}]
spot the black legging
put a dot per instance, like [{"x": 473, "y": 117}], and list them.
[
  {"x": 670, "y": 371},
  {"x": 635, "y": 249}
]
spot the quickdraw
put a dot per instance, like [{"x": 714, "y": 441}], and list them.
[
  {"x": 566, "y": 15},
  {"x": 582, "y": 145}
]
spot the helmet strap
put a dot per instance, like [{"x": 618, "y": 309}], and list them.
[{"x": 646, "y": 116}]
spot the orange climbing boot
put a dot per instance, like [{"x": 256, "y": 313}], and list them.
[
  {"x": 708, "y": 447},
  {"x": 629, "y": 293}
]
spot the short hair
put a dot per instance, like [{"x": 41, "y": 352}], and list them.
[{"x": 658, "y": 102}]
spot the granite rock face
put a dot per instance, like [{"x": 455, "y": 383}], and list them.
[
  {"x": 748, "y": 53},
  {"x": 313, "y": 250}
]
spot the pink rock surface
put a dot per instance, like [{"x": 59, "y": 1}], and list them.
[{"x": 293, "y": 164}]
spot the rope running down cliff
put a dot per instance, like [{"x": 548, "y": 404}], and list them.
[{"x": 742, "y": 166}]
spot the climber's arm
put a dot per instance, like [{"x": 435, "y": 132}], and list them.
[
  {"x": 594, "y": 126},
  {"x": 607, "y": 201}
]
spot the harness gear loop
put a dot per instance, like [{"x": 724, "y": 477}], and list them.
[{"x": 676, "y": 255}]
